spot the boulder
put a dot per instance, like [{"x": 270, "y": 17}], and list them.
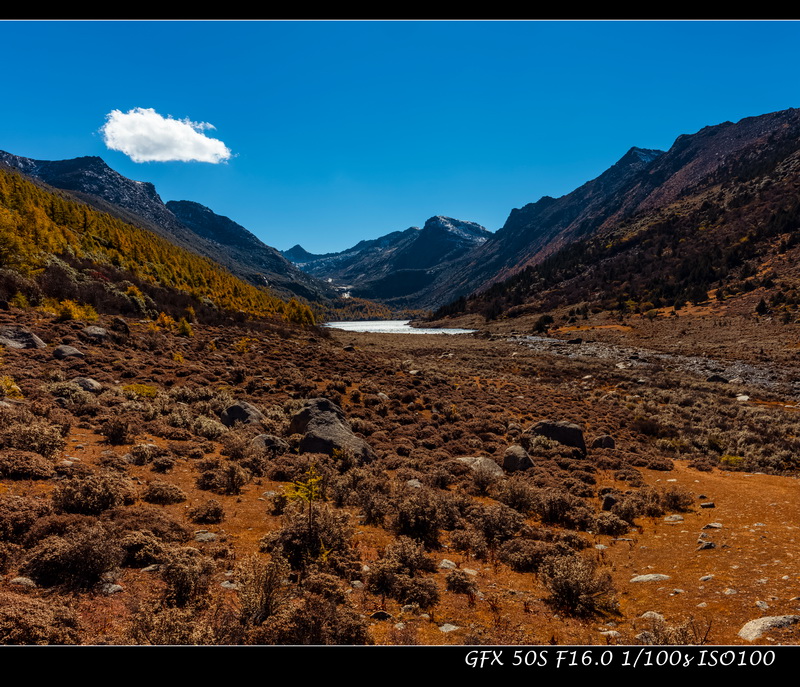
[
  {"x": 241, "y": 411},
  {"x": 516, "y": 458},
  {"x": 63, "y": 351},
  {"x": 269, "y": 443},
  {"x": 482, "y": 463},
  {"x": 566, "y": 433},
  {"x": 755, "y": 628},
  {"x": 325, "y": 430},
  {"x": 14, "y": 336},
  {"x": 604, "y": 441},
  {"x": 95, "y": 333},
  {"x": 88, "y": 384}
]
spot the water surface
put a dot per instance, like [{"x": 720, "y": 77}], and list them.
[{"x": 392, "y": 327}]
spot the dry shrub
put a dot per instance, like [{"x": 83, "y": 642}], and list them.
[
  {"x": 312, "y": 620},
  {"x": 78, "y": 560},
  {"x": 163, "y": 493},
  {"x": 417, "y": 516},
  {"x": 92, "y": 494},
  {"x": 262, "y": 588},
  {"x": 527, "y": 555},
  {"x": 611, "y": 524},
  {"x": 316, "y": 535},
  {"x": 187, "y": 574},
  {"x": 18, "y": 514},
  {"x": 33, "y": 621},
  {"x": 141, "y": 549},
  {"x": 33, "y": 434},
  {"x": 168, "y": 625},
  {"x": 577, "y": 587},
  {"x": 209, "y": 512},
  {"x": 25, "y": 465},
  {"x": 148, "y": 519}
]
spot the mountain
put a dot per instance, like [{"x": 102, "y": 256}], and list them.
[
  {"x": 398, "y": 268},
  {"x": 716, "y": 209},
  {"x": 91, "y": 180}
]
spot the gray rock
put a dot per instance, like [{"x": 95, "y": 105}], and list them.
[
  {"x": 205, "y": 536},
  {"x": 566, "y": 433},
  {"x": 756, "y": 628},
  {"x": 95, "y": 333},
  {"x": 326, "y": 430},
  {"x": 652, "y": 577},
  {"x": 63, "y": 351},
  {"x": 713, "y": 526},
  {"x": 447, "y": 564},
  {"x": 604, "y": 441},
  {"x": 652, "y": 615},
  {"x": 109, "y": 588},
  {"x": 88, "y": 384},
  {"x": 708, "y": 504},
  {"x": 482, "y": 463},
  {"x": 23, "y": 582},
  {"x": 230, "y": 584},
  {"x": 673, "y": 518},
  {"x": 705, "y": 545},
  {"x": 241, "y": 411},
  {"x": 448, "y": 627},
  {"x": 516, "y": 458},
  {"x": 14, "y": 336},
  {"x": 269, "y": 443},
  {"x": 414, "y": 484}
]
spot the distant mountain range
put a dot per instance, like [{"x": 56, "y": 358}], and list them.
[
  {"x": 185, "y": 223},
  {"x": 398, "y": 268},
  {"x": 716, "y": 199}
]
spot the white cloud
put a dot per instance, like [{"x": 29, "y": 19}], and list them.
[{"x": 146, "y": 136}]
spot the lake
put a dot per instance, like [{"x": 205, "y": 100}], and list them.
[{"x": 391, "y": 327}]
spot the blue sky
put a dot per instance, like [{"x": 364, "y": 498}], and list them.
[{"x": 329, "y": 132}]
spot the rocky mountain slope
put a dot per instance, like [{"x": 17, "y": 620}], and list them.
[
  {"x": 654, "y": 227},
  {"x": 198, "y": 229}
]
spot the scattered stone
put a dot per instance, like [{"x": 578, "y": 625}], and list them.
[
  {"x": 357, "y": 584},
  {"x": 763, "y": 605},
  {"x": 469, "y": 571},
  {"x": 566, "y": 433},
  {"x": 516, "y": 458},
  {"x": 652, "y": 615},
  {"x": 414, "y": 483},
  {"x": 243, "y": 412},
  {"x": 88, "y": 384},
  {"x": 14, "y": 336},
  {"x": 205, "y": 536},
  {"x": 447, "y": 627},
  {"x": 610, "y": 633},
  {"x": 713, "y": 526},
  {"x": 604, "y": 441},
  {"x": 482, "y": 463},
  {"x": 708, "y": 504},
  {"x": 109, "y": 588},
  {"x": 652, "y": 577},
  {"x": 63, "y": 351},
  {"x": 23, "y": 582},
  {"x": 729, "y": 591},
  {"x": 706, "y": 578},
  {"x": 269, "y": 443},
  {"x": 448, "y": 565},
  {"x": 743, "y": 397},
  {"x": 755, "y": 628},
  {"x": 608, "y": 501},
  {"x": 229, "y": 584},
  {"x": 95, "y": 333},
  {"x": 601, "y": 547},
  {"x": 326, "y": 430},
  {"x": 673, "y": 518},
  {"x": 705, "y": 545}
]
